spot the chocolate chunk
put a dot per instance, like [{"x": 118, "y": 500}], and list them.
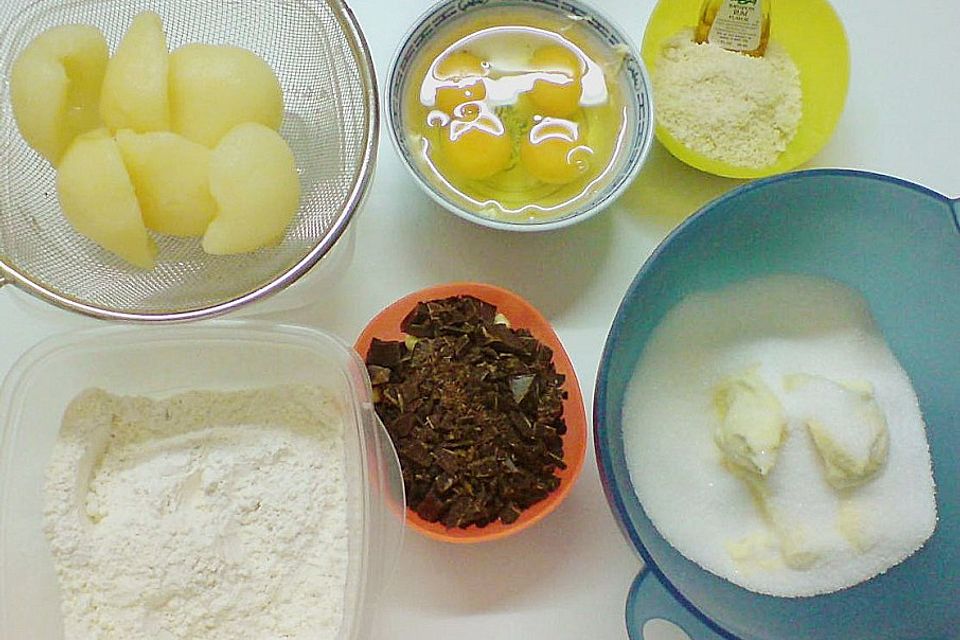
[
  {"x": 384, "y": 354},
  {"x": 403, "y": 425},
  {"x": 503, "y": 339},
  {"x": 430, "y": 508},
  {"x": 449, "y": 460},
  {"x": 415, "y": 451}
]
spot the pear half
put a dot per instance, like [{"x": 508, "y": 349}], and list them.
[
  {"x": 55, "y": 87},
  {"x": 134, "y": 94},
  {"x": 253, "y": 178},
  {"x": 98, "y": 198}
]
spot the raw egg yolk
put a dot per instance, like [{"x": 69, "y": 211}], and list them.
[
  {"x": 552, "y": 152},
  {"x": 476, "y": 150},
  {"x": 462, "y": 72},
  {"x": 553, "y": 96}
]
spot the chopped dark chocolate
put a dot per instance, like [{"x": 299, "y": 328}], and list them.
[
  {"x": 475, "y": 410},
  {"x": 384, "y": 354}
]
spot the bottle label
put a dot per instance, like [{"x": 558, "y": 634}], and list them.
[{"x": 738, "y": 25}]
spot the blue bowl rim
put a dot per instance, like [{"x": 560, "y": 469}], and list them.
[{"x": 614, "y": 497}]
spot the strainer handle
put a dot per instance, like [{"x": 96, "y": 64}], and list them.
[{"x": 650, "y": 600}]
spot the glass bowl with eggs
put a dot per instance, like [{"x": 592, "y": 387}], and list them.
[{"x": 517, "y": 114}]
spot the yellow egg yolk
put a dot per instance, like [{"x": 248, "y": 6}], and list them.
[
  {"x": 478, "y": 149},
  {"x": 553, "y": 96},
  {"x": 461, "y": 72},
  {"x": 552, "y": 152}
]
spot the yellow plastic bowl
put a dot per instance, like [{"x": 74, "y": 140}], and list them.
[{"x": 813, "y": 35}]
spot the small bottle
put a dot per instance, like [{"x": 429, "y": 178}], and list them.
[{"x": 736, "y": 25}]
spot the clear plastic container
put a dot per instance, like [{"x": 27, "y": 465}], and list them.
[{"x": 158, "y": 362}]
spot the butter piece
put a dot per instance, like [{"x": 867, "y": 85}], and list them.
[
  {"x": 795, "y": 546},
  {"x": 752, "y": 423},
  {"x": 850, "y": 525},
  {"x": 756, "y": 552},
  {"x": 848, "y": 428}
]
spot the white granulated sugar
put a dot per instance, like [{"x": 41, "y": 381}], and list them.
[
  {"x": 726, "y": 105},
  {"x": 206, "y": 516},
  {"x": 777, "y": 326}
]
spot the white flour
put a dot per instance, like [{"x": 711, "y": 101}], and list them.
[
  {"x": 207, "y": 516},
  {"x": 780, "y": 325},
  {"x": 725, "y": 105}
]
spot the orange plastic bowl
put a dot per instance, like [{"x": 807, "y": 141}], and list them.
[{"x": 522, "y": 315}]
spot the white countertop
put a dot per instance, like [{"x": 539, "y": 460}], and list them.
[{"x": 567, "y": 578}]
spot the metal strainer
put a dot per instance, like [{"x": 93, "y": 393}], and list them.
[{"x": 331, "y": 122}]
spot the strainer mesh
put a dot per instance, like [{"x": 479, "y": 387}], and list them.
[{"x": 327, "y": 119}]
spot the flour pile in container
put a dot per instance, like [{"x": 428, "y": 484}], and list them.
[
  {"x": 773, "y": 438},
  {"x": 206, "y": 516}
]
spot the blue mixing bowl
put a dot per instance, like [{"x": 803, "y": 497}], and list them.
[{"x": 899, "y": 245}]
